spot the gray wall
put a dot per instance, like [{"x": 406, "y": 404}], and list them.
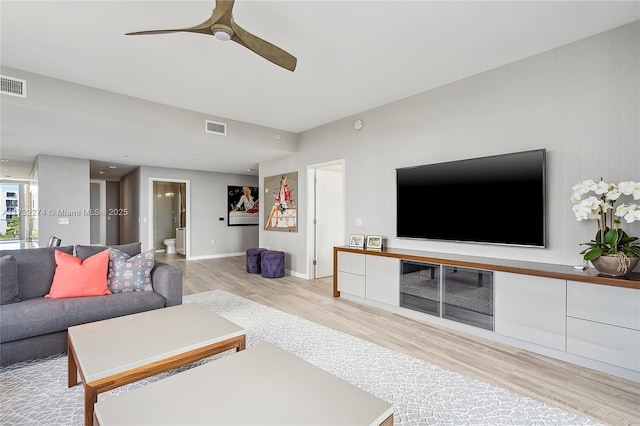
[
  {"x": 63, "y": 190},
  {"x": 580, "y": 102},
  {"x": 208, "y": 203}
]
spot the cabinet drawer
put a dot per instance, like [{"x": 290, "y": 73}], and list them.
[
  {"x": 602, "y": 342},
  {"x": 352, "y": 263},
  {"x": 602, "y": 303},
  {"x": 351, "y": 283}
]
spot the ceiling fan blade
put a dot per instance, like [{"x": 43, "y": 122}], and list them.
[
  {"x": 204, "y": 28},
  {"x": 221, "y": 25},
  {"x": 263, "y": 48},
  {"x": 158, "y": 32},
  {"x": 221, "y": 14}
]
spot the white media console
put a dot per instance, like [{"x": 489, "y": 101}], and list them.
[{"x": 555, "y": 310}]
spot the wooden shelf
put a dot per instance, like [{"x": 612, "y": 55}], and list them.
[{"x": 514, "y": 266}]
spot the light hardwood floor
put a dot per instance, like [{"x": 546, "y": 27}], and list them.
[{"x": 595, "y": 395}]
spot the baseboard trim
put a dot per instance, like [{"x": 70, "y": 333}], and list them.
[{"x": 215, "y": 256}]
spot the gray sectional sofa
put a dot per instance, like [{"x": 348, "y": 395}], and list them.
[{"x": 32, "y": 326}]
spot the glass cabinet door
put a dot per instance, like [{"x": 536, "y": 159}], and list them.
[
  {"x": 468, "y": 296},
  {"x": 420, "y": 287}
]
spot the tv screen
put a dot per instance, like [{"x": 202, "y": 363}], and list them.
[{"x": 497, "y": 200}]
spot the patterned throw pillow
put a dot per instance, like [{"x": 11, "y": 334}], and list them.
[{"x": 128, "y": 273}]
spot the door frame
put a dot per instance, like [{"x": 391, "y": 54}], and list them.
[
  {"x": 311, "y": 204},
  {"x": 187, "y": 235}
]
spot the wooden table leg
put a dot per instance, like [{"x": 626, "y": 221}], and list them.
[
  {"x": 90, "y": 399},
  {"x": 388, "y": 421},
  {"x": 243, "y": 344},
  {"x": 72, "y": 366}
]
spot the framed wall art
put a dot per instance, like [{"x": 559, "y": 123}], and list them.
[
  {"x": 280, "y": 211},
  {"x": 243, "y": 205}
]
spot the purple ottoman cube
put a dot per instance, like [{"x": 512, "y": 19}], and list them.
[
  {"x": 272, "y": 264},
  {"x": 253, "y": 260}
]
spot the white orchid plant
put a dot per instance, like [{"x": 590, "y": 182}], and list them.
[{"x": 610, "y": 240}]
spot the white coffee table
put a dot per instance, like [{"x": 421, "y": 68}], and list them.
[
  {"x": 263, "y": 385},
  {"x": 114, "y": 352}
]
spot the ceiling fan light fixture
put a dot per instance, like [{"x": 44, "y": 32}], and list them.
[{"x": 222, "y": 32}]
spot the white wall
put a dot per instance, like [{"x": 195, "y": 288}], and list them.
[
  {"x": 580, "y": 102},
  {"x": 121, "y": 128},
  {"x": 63, "y": 193}
]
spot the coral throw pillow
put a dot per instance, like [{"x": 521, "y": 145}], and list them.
[
  {"x": 130, "y": 273},
  {"x": 76, "y": 278}
]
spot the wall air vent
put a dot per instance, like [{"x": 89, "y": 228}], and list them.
[
  {"x": 215, "y": 127},
  {"x": 13, "y": 86}
]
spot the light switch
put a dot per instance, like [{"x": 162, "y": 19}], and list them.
[{"x": 359, "y": 221}]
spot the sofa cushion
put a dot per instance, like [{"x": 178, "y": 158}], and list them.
[
  {"x": 128, "y": 273},
  {"x": 38, "y": 316},
  {"x": 8, "y": 280},
  {"x": 75, "y": 277},
  {"x": 36, "y": 267},
  {"x": 132, "y": 249}
]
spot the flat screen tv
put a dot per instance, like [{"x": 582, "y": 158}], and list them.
[{"x": 498, "y": 199}]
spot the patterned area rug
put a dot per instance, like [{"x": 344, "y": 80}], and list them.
[{"x": 36, "y": 393}]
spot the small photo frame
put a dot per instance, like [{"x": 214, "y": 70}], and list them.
[
  {"x": 374, "y": 242},
  {"x": 356, "y": 240}
]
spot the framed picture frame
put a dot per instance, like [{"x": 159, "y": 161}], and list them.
[
  {"x": 374, "y": 242},
  {"x": 243, "y": 205},
  {"x": 356, "y": 240},
  {"x": 280, "y": 211}
]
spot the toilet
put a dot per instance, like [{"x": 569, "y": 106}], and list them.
[{"x": 170, "y": 244}]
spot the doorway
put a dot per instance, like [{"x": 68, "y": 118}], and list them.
[
  {"x": 326, "y": 211},
  {"x": 169, "y": 216}
]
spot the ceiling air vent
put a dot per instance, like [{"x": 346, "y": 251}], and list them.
[
  {"x": 215, "y": 127},
  {"x": 13, "y": 86}
]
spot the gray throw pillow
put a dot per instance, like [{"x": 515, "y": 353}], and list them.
[
  {"x": 36, "y": 267},
  {"x": 8, "y": 280},
  {"x": 132, "y": 249}
]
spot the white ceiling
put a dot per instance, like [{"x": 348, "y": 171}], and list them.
[{"x": 352, "y": 55}]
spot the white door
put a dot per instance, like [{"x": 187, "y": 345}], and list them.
[{"x": 329, "y": 216}]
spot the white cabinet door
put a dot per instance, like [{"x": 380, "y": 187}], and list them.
[
  {"x": 531, "y": 308},
  {"x": 383, "y": 279}
]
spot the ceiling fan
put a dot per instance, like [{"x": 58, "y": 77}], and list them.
[{"x": 223, "y": 27}]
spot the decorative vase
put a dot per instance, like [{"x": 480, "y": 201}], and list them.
[{"x": 610, "y": 265}]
